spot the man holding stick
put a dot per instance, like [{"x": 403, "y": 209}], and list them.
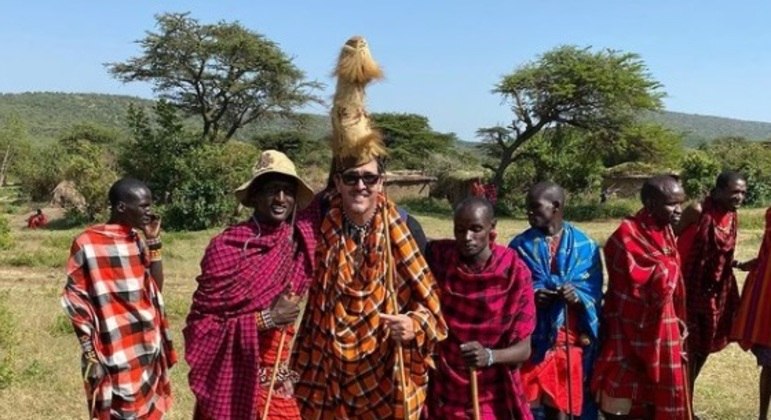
[
  {"x": 372, "y": 319},
  {"x": 253, "y": 274},
  {"x": 567, "y": 277},
  {"x": 487, "y": 301}
]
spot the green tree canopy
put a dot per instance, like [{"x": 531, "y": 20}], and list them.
[
  {"x": 574, "y": 87},
  {"x": 410, "y": 139},
  {"x": 224, "y": 73}
]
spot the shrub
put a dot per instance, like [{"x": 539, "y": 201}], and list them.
[{"x": 614, "y": 209}]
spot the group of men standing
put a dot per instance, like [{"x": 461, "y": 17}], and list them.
[{"x": 398, "y": 327}]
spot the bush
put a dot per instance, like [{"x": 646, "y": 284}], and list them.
[
  {"x": 699, "y": 173},
  {"x": 614, "y": 209},
  {"x": 6, "y": 240},
  {"x": 427, "y": 205}
]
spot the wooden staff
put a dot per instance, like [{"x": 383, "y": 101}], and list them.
[
  {"x": 394, "y": 300},
  {"x": 475, "y": 393},
  {"x": 274, "y": 374},
  {"x": 567, "y": 350}
]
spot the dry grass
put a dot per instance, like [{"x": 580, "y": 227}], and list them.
[{"x": 43, "y": 354}]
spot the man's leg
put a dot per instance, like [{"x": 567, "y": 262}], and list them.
[
  {"x": 765, "y": 391},
  {"x": 695, "y": 364}
]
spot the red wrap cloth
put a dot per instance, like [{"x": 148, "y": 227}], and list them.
[
  {"x": 707, "y": 250},
  {"x": 641, "y": 356},
  {"x": 243, "y": 271},
  {"x": 494, "y": 307},
  {"x": 753, "y": 317}
]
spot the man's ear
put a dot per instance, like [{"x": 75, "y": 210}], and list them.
[
  {"x": 120, "y": 207},
  {"x": 557, "y": 206},
  {"x": 338, "y": 183},
  {"x": 493, "y": 223}
]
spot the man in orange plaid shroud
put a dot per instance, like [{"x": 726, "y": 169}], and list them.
[
  {"x": 113, "y": 298},
  {"x": 353, "y": 338}
]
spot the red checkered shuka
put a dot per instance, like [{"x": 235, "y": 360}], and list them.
[
  {"x": 243, "y": 270},
  {"x": 494, "y": 307},
  {"x": 707, "y": 249},
  {"x": 641, "y": 354},
  {"x": 115, "y": 305}
]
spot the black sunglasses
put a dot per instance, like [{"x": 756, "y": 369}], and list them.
[{"x": 352, "y": 179}]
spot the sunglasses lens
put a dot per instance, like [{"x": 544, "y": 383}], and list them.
[{"x": 353, "y": 179}]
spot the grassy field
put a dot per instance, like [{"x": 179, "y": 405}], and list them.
[{"x": 39, "y": 373}]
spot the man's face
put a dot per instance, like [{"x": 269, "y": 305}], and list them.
[
  {"x": 732, "y": 195},
  {"x": 540, "y": 211},
  {"x": 472, "y": 227},
  {"x": 666, "y": 208},
  {"x": 273, "y": 198},
  {"x": 137, "y": 208},
  {"x": 359, "y": 187}
]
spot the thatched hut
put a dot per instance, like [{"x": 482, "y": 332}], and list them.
[
  {"x": 408, "y": 184},
  {"x": 626, "y": 179}
]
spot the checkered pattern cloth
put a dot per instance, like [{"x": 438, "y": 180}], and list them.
[
  {"x": 344, "y": 357},
  {"x": 115, "y": 305},
  {"x": 707, "y": 249},
  {"x": 641, "y": 353},
  {"x": 494, "y": 307},
  {"x": 245, "y": 268},
  {"x": 753, "y": 318}
]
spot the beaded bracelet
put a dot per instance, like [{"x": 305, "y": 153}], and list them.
[
  {"x": 154, "y": 244},
  {"x": 490, "y": 359}
]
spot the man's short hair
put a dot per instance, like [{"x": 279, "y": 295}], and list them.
[
  {"x": 124, "y": 188},
  {"x": 653, "y": 188},
  {"x": 725, "y": 178},
  {"x": 475, "y": 202}
]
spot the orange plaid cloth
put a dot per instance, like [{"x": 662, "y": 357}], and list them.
[
  {"x": 117, "y": 310},
  {"x": 344, "y": 357}
]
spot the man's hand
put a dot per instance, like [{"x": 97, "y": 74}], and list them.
[
  {"x": 285, "y": 309},
  {"x": 568, "y": 292},
  {"x": 94, "y": 373},
  {"x": 153, "y": 229},
  {"x": 399, "y": 326},
  {"x": 475, "y": 354},
  {"x": 545, "y": 297},
  {"x": 747, "y": 265}
]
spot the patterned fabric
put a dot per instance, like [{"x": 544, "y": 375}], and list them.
[
  {"x": 243, "y": 270},
  {"x": 576, "y": 261},
  {"x": 344, "y": 357},
  {"x": 753, "y": 317},
  {"x": 116, "y": 308},
  {"x": 707, "y": 250},
  {"x": 641, "y": 353},
  {"x": 494, "y": 307},
  {"x": 282, "y": 404}
]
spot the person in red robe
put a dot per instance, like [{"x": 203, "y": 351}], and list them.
[
  {"x": 487, "y": 302},
  {"x": 753, "y": 316},
  {"x": 37, "y": 220},
  {"x": 706, "y": 244},
  {"x": 246, "y": 302},
  {"x": 640, "y": 372}
]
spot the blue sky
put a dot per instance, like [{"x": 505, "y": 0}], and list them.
[{"x": 441, "y": 58}]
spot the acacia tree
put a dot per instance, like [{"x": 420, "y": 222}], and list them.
[
  {"x": 410, "y": 139},
  {"x": 224, "y": 73},
  {"x": 569, "y": 86}
]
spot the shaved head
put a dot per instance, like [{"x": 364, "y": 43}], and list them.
[
  {"x": 125, "y": 189},
  {"x": 471, "y": 204},
  {"x": 726, "y": 178},
  {"x": 549, "y": 191},
  {"x": 659, "y": 186}
]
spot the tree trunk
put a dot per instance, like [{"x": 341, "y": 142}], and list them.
[{"x": 4, "y": 167}]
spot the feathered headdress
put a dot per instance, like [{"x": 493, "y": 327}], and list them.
[{"x": 354, "y": 141}]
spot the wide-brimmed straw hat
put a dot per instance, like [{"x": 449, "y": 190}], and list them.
[{"x": 275, "y": 162}]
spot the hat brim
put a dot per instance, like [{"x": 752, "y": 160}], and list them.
[{"x": 303, "y": 197}]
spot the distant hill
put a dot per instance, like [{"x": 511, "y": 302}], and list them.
[
  {"x": 48, "y": 114},
  {"x": 698, "y": 129}
]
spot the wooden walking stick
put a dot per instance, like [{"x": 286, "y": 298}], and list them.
[
  {"x": 274, "y": 374},
  {"x": 475, "y": 393},
  {"x": 567, "y": 350},
  {"x": 395, "y": 302}
]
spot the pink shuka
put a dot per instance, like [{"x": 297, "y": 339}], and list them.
[
  {"x": 243, "y": 271},
  {"x": 496, "y": 308}
]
